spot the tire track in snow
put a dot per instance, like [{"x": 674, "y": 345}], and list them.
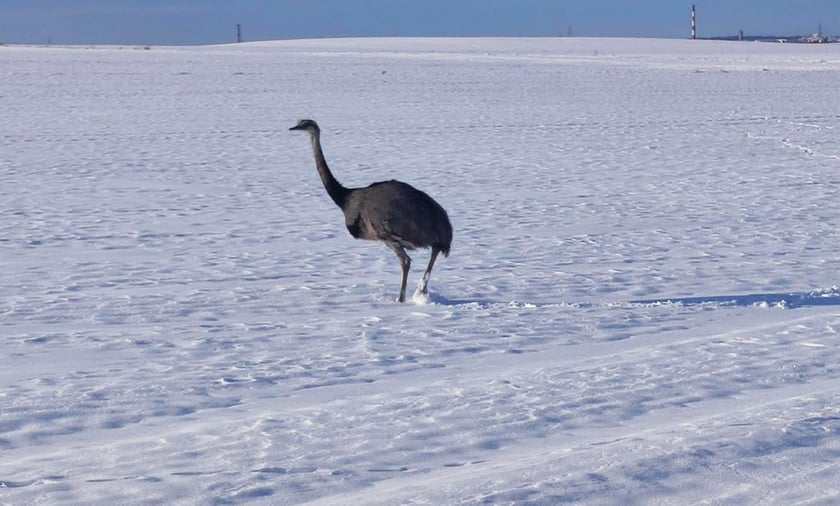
[
  {"x": 539, "y": 399},
  {"x": 667, "y": 449}
]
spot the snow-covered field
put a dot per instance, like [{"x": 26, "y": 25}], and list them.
[{"x": 640, "y": 304}]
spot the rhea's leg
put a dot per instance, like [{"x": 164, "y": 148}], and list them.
[
  {"x": 423, "y": 287},
  {"x": 405, "y": 264}
]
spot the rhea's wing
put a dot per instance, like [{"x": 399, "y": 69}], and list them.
[{"x": 395, "y": 211}]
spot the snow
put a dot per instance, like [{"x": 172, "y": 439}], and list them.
[{"x": 640, "y": 305}]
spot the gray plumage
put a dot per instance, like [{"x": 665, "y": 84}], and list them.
[{"x": 396, "y": 213}]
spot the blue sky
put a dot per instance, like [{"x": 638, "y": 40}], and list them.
[{"x": 214, "y": 21}]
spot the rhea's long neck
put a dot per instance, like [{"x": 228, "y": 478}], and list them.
[{"x": 336, "y": 191}]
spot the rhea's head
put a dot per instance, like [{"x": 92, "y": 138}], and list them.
[{"x": 308, "y": 125}]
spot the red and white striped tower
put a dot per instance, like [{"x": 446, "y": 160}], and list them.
[{"x": 693, "y": 22}]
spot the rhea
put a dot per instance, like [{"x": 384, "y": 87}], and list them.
[{"x": 396, "y": 213}]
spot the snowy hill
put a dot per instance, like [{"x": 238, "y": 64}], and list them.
[{"x": 640, "y": 305}]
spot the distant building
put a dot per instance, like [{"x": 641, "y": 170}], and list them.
[{"x": 816, "y": 38}]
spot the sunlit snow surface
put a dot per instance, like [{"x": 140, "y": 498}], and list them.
[{"x": 639, "y": 307}]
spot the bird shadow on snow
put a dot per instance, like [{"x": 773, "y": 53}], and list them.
[
  {"x": 440, "y": 300},
  {"x": 475, "y": 302},
  {"x": 790, "y": 300},
  {"x": 793, "y": 300}
]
